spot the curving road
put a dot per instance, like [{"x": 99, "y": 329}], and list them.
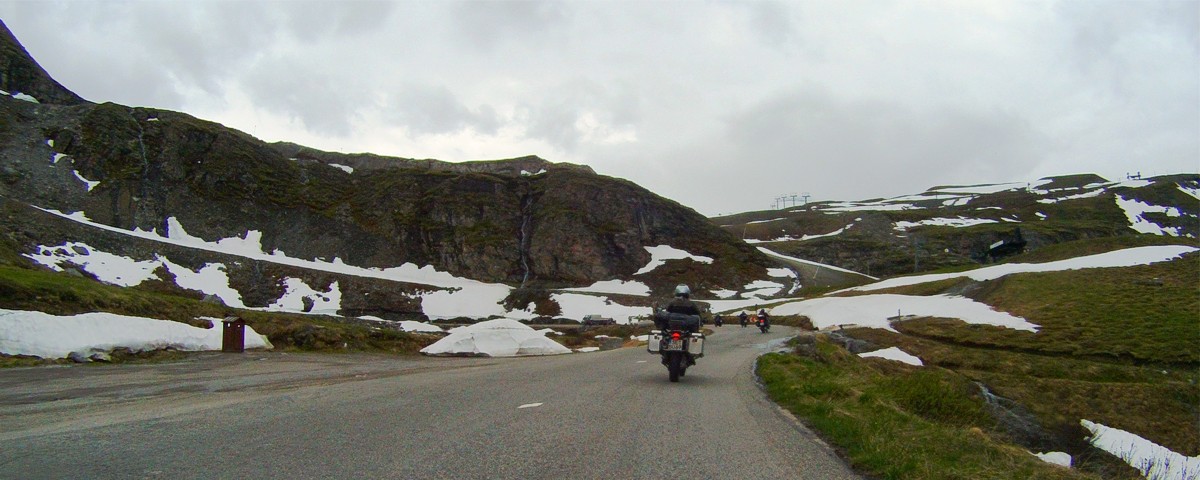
[{"x": 604, "y": 415}]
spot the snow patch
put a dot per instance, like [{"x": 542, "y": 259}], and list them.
[
  {"x": 1155, "y": 461},
  {"x": 1061, "y": 459},
  {"x": 52, "y": 336},
  {"x": 895, "y": 354},
  {"x": 1135, "y": 211},
  {"x": 26, "y": 97},
  {"x": 660, "y": 254},
  {"x": 503, "y": 337},
  {"x": 90, "y": 184},
  {"x": 878, "y": 311},
  {"x": 942, "y": 222},
  {"x": 616, "y": 287},
  {"x": 577, "y": 305},
  {"x": 343, "y": 168},
  {"x": 1121, "y": 258}
]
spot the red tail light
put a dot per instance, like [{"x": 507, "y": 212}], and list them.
[{"x": 675, "y": 336}]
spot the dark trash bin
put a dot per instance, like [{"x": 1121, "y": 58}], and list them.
[{"x": 233, "y": 337}]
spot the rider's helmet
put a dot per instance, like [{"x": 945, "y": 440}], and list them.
[{"x": 683, "y": 291}]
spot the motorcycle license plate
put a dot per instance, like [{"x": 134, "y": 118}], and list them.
[{"x": 674, "y": 345}]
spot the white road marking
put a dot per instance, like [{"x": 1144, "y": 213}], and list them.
[{"x": 529, "y": 405}]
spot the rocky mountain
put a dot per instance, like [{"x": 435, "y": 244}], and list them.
[
  {"x": 518, "y": 222},
  {"x": 955, "y": 226}
]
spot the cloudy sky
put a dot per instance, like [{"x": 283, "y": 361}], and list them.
[{"x": 722, "y": 106}]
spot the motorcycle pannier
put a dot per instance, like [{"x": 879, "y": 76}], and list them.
[
  {"x": 696, "y": 345},
  {"x": 654, "y": 342}
]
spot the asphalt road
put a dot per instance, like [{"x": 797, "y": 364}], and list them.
[{"x": 608, "y": 415}]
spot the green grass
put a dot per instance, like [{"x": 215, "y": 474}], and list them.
[
  {"x": 1116, "y": 346},
  {"x": 1154, "y": 401},
  {"x": 896, "y": 422}
]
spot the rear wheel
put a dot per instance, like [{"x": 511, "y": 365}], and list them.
[{"x": 675, "y": 366}]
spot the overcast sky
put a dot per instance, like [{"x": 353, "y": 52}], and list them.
[{"x": 721, "y": 106}]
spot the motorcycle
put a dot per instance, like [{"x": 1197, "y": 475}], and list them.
[
  {"x": 763, "y": 325},
  {"x": 679, "y": 344}
]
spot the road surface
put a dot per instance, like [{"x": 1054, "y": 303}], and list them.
[{"x": 602, "y": 415}]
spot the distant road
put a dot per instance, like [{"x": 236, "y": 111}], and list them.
[
  {"x": 609, "y": 415},
  {"x": 816, "y": 275}
]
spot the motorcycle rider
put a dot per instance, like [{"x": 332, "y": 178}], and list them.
[
  {"x": 763, "y": 318},
  {"x": 742, "y": 317},
  {"x": 681, "y": 304}
]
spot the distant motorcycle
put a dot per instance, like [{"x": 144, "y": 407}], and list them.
[
  {"x": 764, "y": 326},
  {"x": 718, "y": 321},
  {"x": 679, "y": 344}
]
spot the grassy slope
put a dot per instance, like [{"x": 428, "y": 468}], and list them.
[
  {"x": 897, "y": 422},
  {"x": 62, "y": 294},
  {"x": 1115, "y": 347}
]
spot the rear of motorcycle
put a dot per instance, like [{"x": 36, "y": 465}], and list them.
[{"x": 679, "y": 349}]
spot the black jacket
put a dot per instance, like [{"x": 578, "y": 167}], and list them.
[{"x": 684, "y": 306}]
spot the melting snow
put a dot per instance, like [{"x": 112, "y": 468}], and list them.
[
  {"x": 618, "y": 287},
  {"x": 878, "y": 311},
  {"x": 1135, "y": 210},
  {"x": 1120, "y": 258},
  {"x": 52, "y": 336},
  {"x": 1155, "y": 461},
  {"x": 1194, "y": 192},
  {"x": 577, "y": 305},
  {"x": 503, "y": 337},
  {"x": 325, "y": 303},
  {"x": 660, "y": 254},
  {"x": 25, "y": 97},
  {"x": 942, "y": 222},
  {"x": 1061, "y": 459},
  {"x": 896, "y": 354},
  {"x": 90, "y": 184},
  {"x": 1093, "y": 193},
  {"x": 343, "y": 168}
]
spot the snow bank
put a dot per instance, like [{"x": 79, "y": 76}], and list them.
[
  {"x": 577, "y": 305},
  {"x": 660, "y": 254},
  {"x": 877, "y": 311},
  {"x": 896, "y": 354},
  {"x": 1155, "y": 461},
  {"x": 452, "y": 297},
  {"x": 52, "y": 336},
  {"x": 1061, "y": 459},
  {"x": 617, "y": 287},
  {"x": 942, "y": 222},
  {"x": 1121, "y": 258},
  {"x": 412, "y": 326},
  {"x": 496, "y": 338},
  {"x": 1135, "y": 211}
]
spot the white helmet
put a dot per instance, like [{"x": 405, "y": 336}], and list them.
[{"x": 682, "y": 290}]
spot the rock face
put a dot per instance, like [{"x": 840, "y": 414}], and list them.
[
  {"x": 19, "y": 73},
  {"x": 523, "y": 221}
]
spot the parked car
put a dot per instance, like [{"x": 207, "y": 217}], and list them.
[{"x": 595, "y": 320}]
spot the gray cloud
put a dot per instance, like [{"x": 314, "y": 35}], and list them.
[
  {"x": 486, "y": 24},
  {"x": 719, "y": 105},
  {"x": 427, "y": 109}
]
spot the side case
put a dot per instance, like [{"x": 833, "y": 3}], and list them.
[
  {"x": 654, "y": 343},
  {"x": 696, "y": 345}
]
